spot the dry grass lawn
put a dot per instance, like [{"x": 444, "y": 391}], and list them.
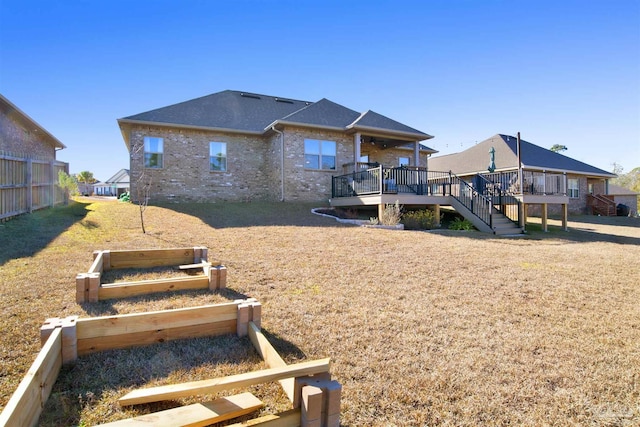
[{"x": 423, "y": 328}]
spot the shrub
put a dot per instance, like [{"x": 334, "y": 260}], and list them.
[
  {"x": 461, "y": 224},
  {"x": 419, "y": 220},
  {"x": 390, "y": 215}
]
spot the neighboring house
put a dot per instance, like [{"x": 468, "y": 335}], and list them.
[
  {"x": 544, "y": 172},
  {"x": 240, "y": 146},
  {"x": 114, "y": 186},
  {"x": 28, "y": 163},
  {"x": 623, "y": 196}
]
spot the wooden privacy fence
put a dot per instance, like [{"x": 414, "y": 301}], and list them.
[
  {"x": 90, "y": 289},
  {"x": 314, "y": 396},
  {"x": 28, "y": 184}
]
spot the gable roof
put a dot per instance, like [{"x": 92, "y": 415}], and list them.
[
  {"x": 31, "y": 125},
  {"x": 249, "y": 113},
  {"x": 323, "y": 113},
  {"x": 121, "y": 176},
  {"x": 476, "y": 159}
]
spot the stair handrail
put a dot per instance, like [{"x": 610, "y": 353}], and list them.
[
  {"x": 505, "y": 198},
  {"x": 484, "y": 211}
]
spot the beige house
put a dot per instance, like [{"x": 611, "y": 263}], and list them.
[{"x": 240, "y": 146}]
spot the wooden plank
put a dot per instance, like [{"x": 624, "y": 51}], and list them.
[
  {"x": 143, "y": 287},
  {"x": 195, "y": 388},
  {"x": 290, "y": 418},
  {"x": 311, "y": 412},
  {"x": 191, "y": 266},
  {"x": 151, "y": 257},
  {"x": 98, "y": 263},
  {"x": 196, "y": 415},
  {"x": 154, "y": 320},
  {"x": 92, "y": 345},
  {"x": 26, "y": 403},
  {"x": 271, "y": 357}
]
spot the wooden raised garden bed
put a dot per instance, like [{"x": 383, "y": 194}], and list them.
[
  {"x": 90, "y": 289},
  {"x": 314, "y": 396}
]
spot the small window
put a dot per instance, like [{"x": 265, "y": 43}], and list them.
[
  {"x": 319, "y": 154},
  {"x": 590, "y": 188},
  {"x": 364, "y": 159},
  {"x": 404, "y": 161},
  {"x": 574, "y": 189},
  {"x": 153, "y": 152},
  {"x": 218, "y": 156}
]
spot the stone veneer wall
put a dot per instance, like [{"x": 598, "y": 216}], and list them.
[
  {"x": 185, "y": 175},
  {"x": 308, "y": 184},
  {"x": 253, "y": 165},
  {"x": 18, "y": 140}
]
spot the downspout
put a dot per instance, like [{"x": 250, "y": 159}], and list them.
[{"x": 273, "y": 128}]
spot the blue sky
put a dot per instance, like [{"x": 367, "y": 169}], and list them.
[{"x": 559, "y": 72}]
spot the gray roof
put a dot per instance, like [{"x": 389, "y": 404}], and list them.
[
  {"x": 476, "y": 159},
  {"x": 253, "y": 113},
  {"x": 372, "y": 120},
  {"x": 231, "y": 110},
  {"x": 616, "y": 190},
  {"x": 323, "y": 113}
]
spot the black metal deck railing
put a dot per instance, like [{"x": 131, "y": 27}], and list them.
[
  {"x": 382, "y": 180},
  {"x": 412, "y": 180}
]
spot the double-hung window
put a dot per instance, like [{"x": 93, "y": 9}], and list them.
[
  {"x": 319, "y": 154},
  {"x": 153, "y": 152},
  {"x": 218, "y": 156},
  {"x": 573, "y": 189},
  {"x": 404, "y": 161}
]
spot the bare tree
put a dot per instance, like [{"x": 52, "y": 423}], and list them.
[
  {"x": 143, "y": 193},
  {"x": 143, "y": 184}
]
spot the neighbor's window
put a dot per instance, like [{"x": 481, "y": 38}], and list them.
[
  {"x": 404, "y": 161},
  {"x": 573, "y": 190},
  {"x": 153, "y": 152},
  {"x": 218, "y": 156},
  {"x": 319, "y": 154}
]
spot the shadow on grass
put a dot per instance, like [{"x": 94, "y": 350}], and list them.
[
  {"x": 582, "y": 228},
  {"x": 254, "y": 214},
  {"x": 27, "y": 234}
]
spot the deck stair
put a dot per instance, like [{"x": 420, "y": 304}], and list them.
[
  {"x": 601, "y": 205},
  {"x": 504, "y": 226}
]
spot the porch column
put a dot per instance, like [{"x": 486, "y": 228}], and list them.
[
  {"x": 416, "y": 153},
  {"x": 356, "y": 150},
  {"x": 565, "y": 216},
  {"x": 544, "y": 217},
  {"x": 523, "y": 215}
]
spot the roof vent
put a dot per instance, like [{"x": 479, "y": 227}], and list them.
[
  {"x": 250, "y": 95},
  {"x": 286, "y": 101}
]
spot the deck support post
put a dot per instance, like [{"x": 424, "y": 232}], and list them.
[
  {"x": 436, "y": 214},
  {"x": 545, "y": 212},
  {"x": 565, "y": 216},
  {"x": 380, "y": 211}
]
